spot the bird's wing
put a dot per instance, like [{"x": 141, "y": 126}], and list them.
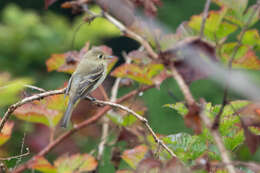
[
  {"x": 68, "y": 87},
  {"x": 89, "y": 81}
]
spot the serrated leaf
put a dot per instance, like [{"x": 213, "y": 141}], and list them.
[
  {"x": 6, "y": 132},
  {"x": 215, "y": 28},
  {"x": 179, "y": 107},
  {"x": 47, "y": 111},
  {"x": 135, "y": 155},
  {"x": 140, "y": 74},
  {"x": 41, "y": 164},
  {"x": 185, "y": 146},
  {"x": 245, "y": 56},
  {"x": 241, "y": 19},
  {"x": 76, "y": 163},
  {"x": 252, "y": 38},
  {"x": 238, "y": 6}
]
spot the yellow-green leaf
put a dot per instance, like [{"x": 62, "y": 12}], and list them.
[
  {"x": 76, "y": 163},
  {"x": 41, "y": 164}
]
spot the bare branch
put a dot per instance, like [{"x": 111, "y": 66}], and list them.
[
  {"x": 35, "y": 88},
  {"x": 26, "y": 100},
  {"x": 205, "y": 14},
  {"x": 218, "y": 140},
  {"x": 183, "y": 86}
]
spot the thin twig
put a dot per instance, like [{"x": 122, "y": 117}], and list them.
[
  {"x": 231, "y": 59},
  {"x": 39, "y": 96},
  {"x": 105, "y": 123},
  {"x": 142, "y": 119},
  {"x": 125, "y": 30},
  {"x": 17, "y": 157},
  {"x": 183, "y": 86},
  {"x": 21, "y": 151},
  {"x": 217, "y": 138},
  {"x": 35, "y": 88},
  {"x": 205, "y": 14},
  {"x": 77, "y": 127}
]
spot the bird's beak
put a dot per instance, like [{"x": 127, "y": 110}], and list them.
[{"x": 109, "y": 57}]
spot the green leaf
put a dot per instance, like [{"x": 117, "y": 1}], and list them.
[
  {"x": 9, "y": 89},
  {"x": 252, "y": 38},
  {"x": 238, "y": 6},
  {"x": 179, "y": 107},
  {"x": 244, "y": 58},
  {"x": 241, "y": 19},
  {"x": 126, "y": 120},
  {"x": 214, "y": 26},
  {"x": 141, "y": 74},
  {"x": 185, "y": 146}
]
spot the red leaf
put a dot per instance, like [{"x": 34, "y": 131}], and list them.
[
  {"x": 250, "y": 116},
  {"x": 252, "y": 140},
  {"x": 192, "y": 119}
]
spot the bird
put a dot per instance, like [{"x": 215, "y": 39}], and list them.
[{"x": 88, "y": 75}]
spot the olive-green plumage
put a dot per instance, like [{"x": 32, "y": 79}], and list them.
[{"x": 89, "y": 74}]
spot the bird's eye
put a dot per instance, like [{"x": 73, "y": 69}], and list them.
[{"x": 100, "y": 56}]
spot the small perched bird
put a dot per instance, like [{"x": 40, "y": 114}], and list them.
[{"x": 89, "y": 74}]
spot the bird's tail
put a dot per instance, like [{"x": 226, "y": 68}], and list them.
[{"x": 66, "y": 117}]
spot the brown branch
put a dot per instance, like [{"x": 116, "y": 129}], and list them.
[
  {"x": 217, "y": 138},
  {"x": 123, "y": 29},
  {"x": 183, "y": 86},
  {"x": 231, "y": 59},
  {"x": 77, "y": 127},
  {"x": 205, "y": 14},
  {"x": 39, "y": 96}
]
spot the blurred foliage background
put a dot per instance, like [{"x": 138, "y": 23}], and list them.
[{"x": 29, "y": 35}]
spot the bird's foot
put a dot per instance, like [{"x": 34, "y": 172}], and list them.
[{"x": 92, "y": 99}]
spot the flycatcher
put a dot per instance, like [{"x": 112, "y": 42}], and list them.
[{"x": 89, "y": 74}]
